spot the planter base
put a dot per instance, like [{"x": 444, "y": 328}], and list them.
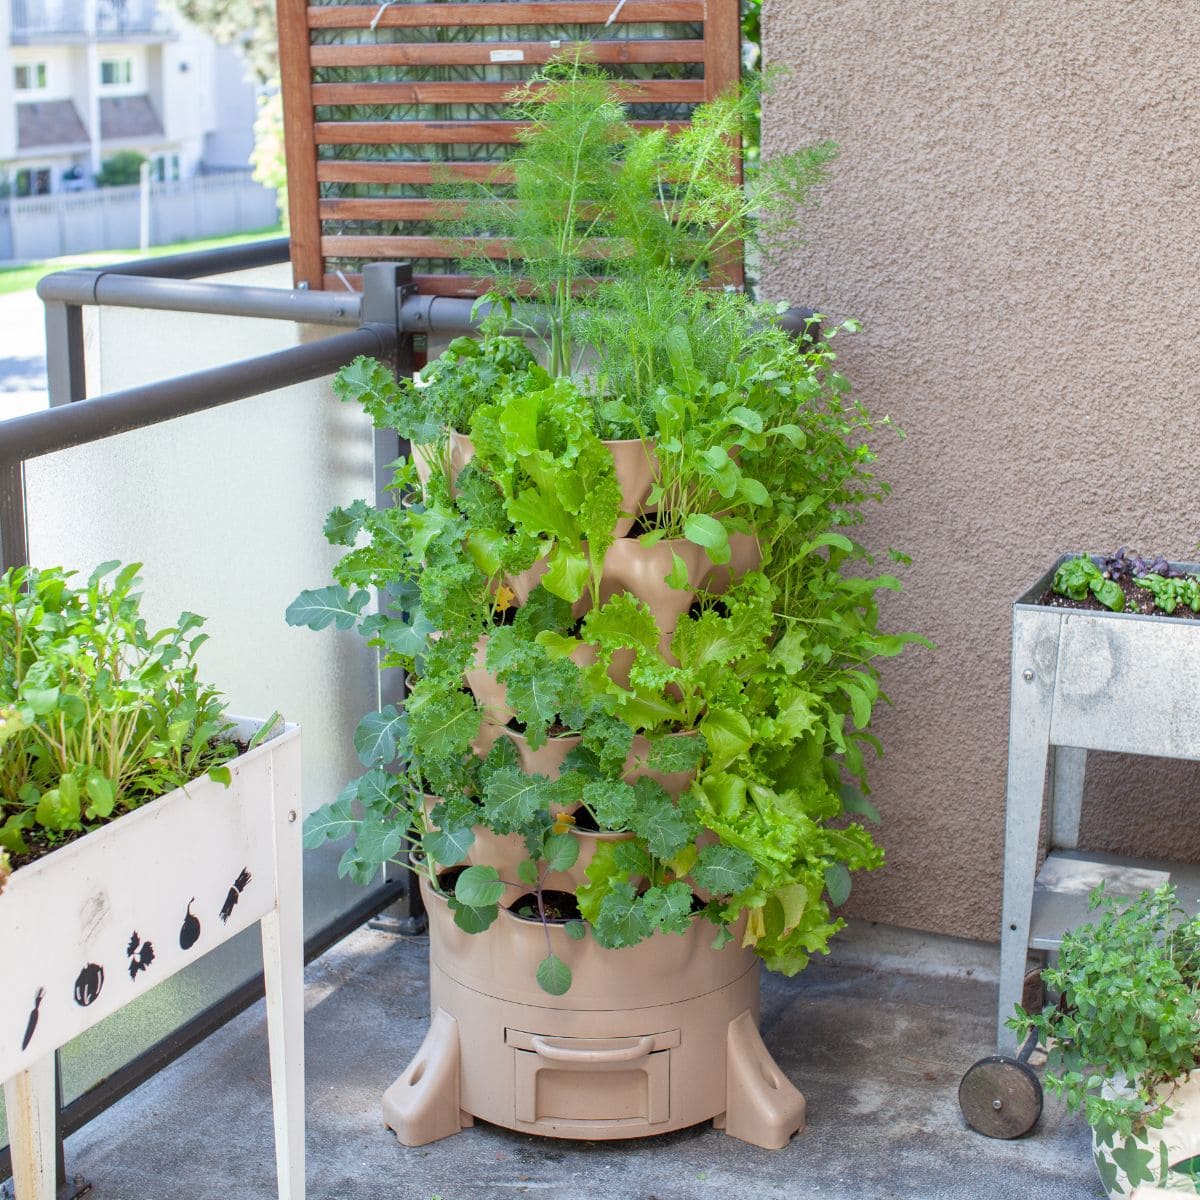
[{"x": 594, "y": 1073}]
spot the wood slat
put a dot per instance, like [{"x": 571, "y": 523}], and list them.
[
  {"x": 722, "y": 70},
  {"x": 457, "y": 54},
  {"x": 571, "y": 12},
  {"x": 649, "y": 91},
  {"x": 385, "y": 209},
  {"x": 344, "y": 170},
  {"x": 414, "y": 246},
  {"x": 300, "y": 149},
  {"x": 420, "y": 133}
]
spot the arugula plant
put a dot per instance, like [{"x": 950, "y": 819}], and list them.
[
  {"x": 98, "y": 714},
  {"x": 1128, "y": 983}
]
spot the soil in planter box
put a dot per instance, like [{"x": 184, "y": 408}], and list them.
[{"x": 1137, "y": 600}]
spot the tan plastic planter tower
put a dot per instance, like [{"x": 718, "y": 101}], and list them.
[{"x": 630, "y": 1051}]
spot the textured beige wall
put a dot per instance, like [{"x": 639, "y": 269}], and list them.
[{"x": 1016, "y": 219}]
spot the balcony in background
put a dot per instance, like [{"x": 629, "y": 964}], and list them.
[{"x": 70, "y": 20}]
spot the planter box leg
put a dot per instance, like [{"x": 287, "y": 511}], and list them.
[
  {"x": 423, "y": 1104},
  {"x": 29, "y": 1104},
  {"x": 283, "y": 971},
  {"x": 762, "y": 1107}
]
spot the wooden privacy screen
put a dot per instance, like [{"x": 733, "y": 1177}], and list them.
[{"x": 381, "y": 100}]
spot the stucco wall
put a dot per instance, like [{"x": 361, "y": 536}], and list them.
[{"x": 1016, "y": 219}]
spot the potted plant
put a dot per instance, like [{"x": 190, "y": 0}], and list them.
[
  {"x": 1123, "y": 1037},
  {"x": 653, "y": 777},
  {"x": 139, "y": 828}
]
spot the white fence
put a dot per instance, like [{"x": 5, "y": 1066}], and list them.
[{"x": 38, "y": 227}]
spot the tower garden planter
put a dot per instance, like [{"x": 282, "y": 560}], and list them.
[{"x": 686, "y": 665}]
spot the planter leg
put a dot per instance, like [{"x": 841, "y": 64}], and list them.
[
  {"x": 423, "y": 1104},
  {"x": 283, "y": 970},
  {"x": 761, "y": 1105},
  {"x": 29, "y": 1104}
]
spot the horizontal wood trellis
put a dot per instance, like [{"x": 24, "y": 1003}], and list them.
[{"x": 359, "y": 80}]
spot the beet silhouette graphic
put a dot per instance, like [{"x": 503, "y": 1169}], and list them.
[
  {"x": 189, "y": 933},
  {"x": 33, "y": 1019},
  {"x": 88, "y": 985}
]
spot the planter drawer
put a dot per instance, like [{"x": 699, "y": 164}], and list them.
[{"x": 563, "y": 1082}]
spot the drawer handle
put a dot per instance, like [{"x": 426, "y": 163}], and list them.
[{"x": 565, "y": 1054}]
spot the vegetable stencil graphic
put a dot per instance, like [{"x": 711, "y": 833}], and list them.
[{"x": 239, "y": 886}]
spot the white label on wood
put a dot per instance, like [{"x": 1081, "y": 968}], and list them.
[{"x": 507, "y": 56}]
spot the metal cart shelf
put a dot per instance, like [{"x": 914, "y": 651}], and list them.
[{"x": 1083, "y": 681}]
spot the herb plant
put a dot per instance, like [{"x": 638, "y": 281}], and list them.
[
  {"x": 1128, "y": 1016},
  {"x": 98, "y": 714},
  {"x": 1080, "y": 576}
]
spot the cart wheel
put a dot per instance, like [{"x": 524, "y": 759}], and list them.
[{"x": 1000, "y": 1097}]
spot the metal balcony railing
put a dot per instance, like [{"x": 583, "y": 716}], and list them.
[{"x": 34, "y": 19}]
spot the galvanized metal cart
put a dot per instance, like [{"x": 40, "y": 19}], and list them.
[{"x": 1081, "y": 681}]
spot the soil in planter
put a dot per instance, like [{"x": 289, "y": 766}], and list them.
[
  {"x": 40, "y": 843},
  {"x": 584, "y": 822},
  {"x": 1137, "y": 600},
  {"x": 449, "y": 877},
  {"x": 560, "y": 907}
]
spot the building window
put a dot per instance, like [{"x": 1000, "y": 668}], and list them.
[
  {"x": 164, "y": 168},
  {"x": 32, "y": 181},
  {"x": 116, "y": 71},
  {"x": 29, "y": 77}
]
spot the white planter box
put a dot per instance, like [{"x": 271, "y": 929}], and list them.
[{"x": 92, "y": 926}]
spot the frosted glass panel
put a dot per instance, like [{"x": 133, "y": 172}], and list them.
[{"x": 224, "y": 509}]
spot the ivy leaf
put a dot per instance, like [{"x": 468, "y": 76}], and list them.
[
  {"x": 837, "y": 884},
  {"x": 479, "y": 887},
  {"x": 379, "y": 735},
  {"x": 318, "y": 608},
  {"x": 553, "y": 975},
  {"x": 724, "y": 870}
]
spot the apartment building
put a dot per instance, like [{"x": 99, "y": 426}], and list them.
[{"x": 87, "y": 78}]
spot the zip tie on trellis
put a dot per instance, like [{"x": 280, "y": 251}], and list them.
[
  {"x": 616, "y": 12},
  {"x": 388, "y": 4},
  {"x": 345, "y": 282}
]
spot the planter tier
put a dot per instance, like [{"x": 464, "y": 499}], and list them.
[{"x": 627, "y": 1052}]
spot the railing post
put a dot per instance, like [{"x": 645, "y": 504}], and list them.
[
  {"x": 14, "y": 541},
  {"x": 66, "y": 374},
  {"x": 384, "y": 287}
]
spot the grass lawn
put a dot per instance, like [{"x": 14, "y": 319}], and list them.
[{"x": 19, "y": 279}]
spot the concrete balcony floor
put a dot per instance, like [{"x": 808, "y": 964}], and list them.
[{"x": 877, "y": 1049}]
